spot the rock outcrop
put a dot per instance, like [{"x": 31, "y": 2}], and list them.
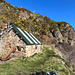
[{"x": 68, "y": 53}]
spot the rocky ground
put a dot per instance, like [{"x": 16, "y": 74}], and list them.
[{"x": 68, "y": 53}]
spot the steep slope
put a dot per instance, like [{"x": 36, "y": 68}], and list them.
[
  {"x": 62, "y": 32},
  {"x": 48, "y": 31}
]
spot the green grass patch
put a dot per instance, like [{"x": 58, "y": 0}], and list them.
[{"x": 45, "y": 61}]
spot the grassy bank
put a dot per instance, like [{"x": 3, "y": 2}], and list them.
[{"x": 45, "y": 61}]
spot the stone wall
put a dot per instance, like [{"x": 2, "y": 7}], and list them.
[
  {"x": 9, "y": 40},
  {"x": 33, "y": 49}
]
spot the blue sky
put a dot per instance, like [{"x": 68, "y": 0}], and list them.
[{"x": 57, "y": 10}]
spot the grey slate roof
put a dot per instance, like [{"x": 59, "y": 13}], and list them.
[{"x": 27, "y": 37}]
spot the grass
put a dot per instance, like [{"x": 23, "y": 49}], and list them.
[{"x": 45, "y": 61}]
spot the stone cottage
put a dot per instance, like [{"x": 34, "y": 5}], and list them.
[{"x": 26, "y": 43}]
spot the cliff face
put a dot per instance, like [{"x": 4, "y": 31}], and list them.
[{"x": 47, "y": 30}]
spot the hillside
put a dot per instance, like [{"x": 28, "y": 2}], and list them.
[
  {"x": 61, "y": 34},
  {"x": 48, "y": 60}
]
